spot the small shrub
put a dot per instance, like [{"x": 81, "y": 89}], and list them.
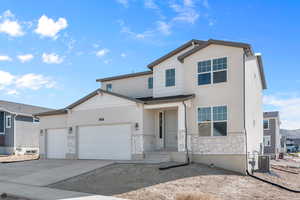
[{"x": 195, "y": 196}]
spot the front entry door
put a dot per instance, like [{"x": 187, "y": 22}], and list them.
[{"x": 170, "y": 139}]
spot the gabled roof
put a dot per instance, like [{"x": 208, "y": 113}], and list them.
[
  {"x": 175, "y": 51},
  {"x": 247, "y": 47},
  {"x": 198, "y": 45},
  {"x": 124, "y": 76},
  {"x": 87, "y": 97},
  {"x": 22, "y": 109},
  {"x": 271, "y": 114}
]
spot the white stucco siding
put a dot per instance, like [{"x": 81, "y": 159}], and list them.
[
  {"x": 229, "y": 93},
  {"x": 159, "y": 87},
  {"x": 53, "y": 121},
  {"x": 254, "y": 105},
  {"x": 132, "y": 87}
]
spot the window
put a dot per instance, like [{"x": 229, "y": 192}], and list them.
[
  {"x": 212, "y": 121},
  {"x": 170, "y": 77},
  {"x": 266, "y": 124},
  {"x": 1, "y": 122},
  {"x": 109, "y": 87},
  {"x": 150, "y": 82},
  {"x": 204, "y": 72},
  {"x": 212, "y": 71},
  {"x": 8, "y": 121},
  {"x": 35, "y": 120},
  {"x": 267, "y": 140}
]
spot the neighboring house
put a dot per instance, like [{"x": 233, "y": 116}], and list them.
[
  {"x": 204, "y": 96},
  {"x": 272, "y": 137},
  {"x": 19, "y": 130}
]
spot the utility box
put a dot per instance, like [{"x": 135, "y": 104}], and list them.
[{"x": 264, "y": 163}]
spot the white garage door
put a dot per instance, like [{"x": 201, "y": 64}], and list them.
[
  {"x": 105, "y": 142},
  {"x": 56, "y": 143}
]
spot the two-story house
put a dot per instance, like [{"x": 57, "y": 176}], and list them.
[
  {"x": 19, "y": 129},
  {"x": 272, "y": 137},
  {"x": 201, "y": 101}
]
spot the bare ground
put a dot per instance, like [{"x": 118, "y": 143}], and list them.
[
  {"x": 147, "y": 182},
  {"x": 18, "y": 158}
]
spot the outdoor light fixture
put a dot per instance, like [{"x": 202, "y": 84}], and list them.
[
  {"x": 70, "y": 130},
  {"x": 136, "y": 126}
]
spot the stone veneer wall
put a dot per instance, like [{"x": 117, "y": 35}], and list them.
[{"x": 232, "y": 144}]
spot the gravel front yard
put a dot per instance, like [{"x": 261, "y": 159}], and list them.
[{"x": 146, "y": 182}]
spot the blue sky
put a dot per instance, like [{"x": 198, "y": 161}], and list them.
[{"x": 52, "y": 52}]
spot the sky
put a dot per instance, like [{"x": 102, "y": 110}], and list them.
[{"x": 52, "y": 52}]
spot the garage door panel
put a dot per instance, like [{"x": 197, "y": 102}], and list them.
[
  {"x": 105, "y": 142},
  {"x": 56, "y": 143}
]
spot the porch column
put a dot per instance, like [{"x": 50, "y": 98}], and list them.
[{"x": 181, "y": 128}]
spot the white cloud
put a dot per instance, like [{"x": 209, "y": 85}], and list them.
[
  {"x": 185, "y": 13},
  {"x": 164, "y": 27},
  {"x": 5, "y": 58},
  {"x": 52, "y": 58},
  {"x": 34, "y": 82},
  {"x": 107, "y": 61},
  {"x": 8, "y": 14},
  {"x": 10, "y": 83},
  {"x": 125, "y": 3},
  {"x": 12, "y": 92},
  {"x": 47, "y": 27},
  {"x": 150, "y": 4},
  {"x": 25, "y": 57},
  {"x": 102, "y": 52},
  {"x": 188, "y": 2},
  {"x": 289, "y": 107},
  {"x": 205, "y": 3},
  {"x": 123, "y": 55},
  {"x": 12, "y": 28},
  {"x": 127, "y": 30},
  {"x": 5, "y": 79}
]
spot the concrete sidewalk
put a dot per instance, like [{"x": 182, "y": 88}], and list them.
[{"x": 43, "y": 193}]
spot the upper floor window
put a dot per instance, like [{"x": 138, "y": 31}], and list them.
[
  {"x": 212, "y": 121},
  {"x": 150, "y": 82},
  {"x": 109, "y": 87},
  {"x": 212, "y": 71},
  {"x": 266, "y": 124},
  {"x": 170, "y": 77},
  {"x": 8, "y": 121}
]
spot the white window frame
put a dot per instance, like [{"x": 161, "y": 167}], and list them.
[
  {"x": 268, "y": 124},
  {"x": 269, "y": 138},
  {"x": 212, "y": 71},
  {"x": 106, "y": 87},
  {"x": 149, "y": 84},
  {"x": 2, "y": 133},
  {"x": 174, "y": 77},
  {"x": 8, "y": 119},
  {"x": 212, "y": 120}
]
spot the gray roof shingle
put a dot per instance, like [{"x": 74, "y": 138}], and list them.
[{"x": 20, "y": 108}]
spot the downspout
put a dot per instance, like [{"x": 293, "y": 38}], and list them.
[{"x": 187, "y": 162}]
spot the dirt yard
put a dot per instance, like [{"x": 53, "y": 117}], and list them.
[
  {"x": 17, "y": 158},
  {"x": 147, "y": 182}
]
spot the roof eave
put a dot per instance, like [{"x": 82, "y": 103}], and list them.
[{"x": 261, "y": 71}]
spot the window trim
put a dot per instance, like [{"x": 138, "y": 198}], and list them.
[
  {"x": 269, "y": 136},
  {"x": 174, "y": 77},
  {"x": 7, "y": 118},
  {"x": 212, "y": 71},
  {"x": 149, "y": 84},
  {"x": 2, "y": 133},
  {"x": 268, "y": 124},
  {"x": 212, "y": 120},
  {"x": 110, "y": 86}
]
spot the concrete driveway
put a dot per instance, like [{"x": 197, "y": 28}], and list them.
[{"x": 45, "y": 172}]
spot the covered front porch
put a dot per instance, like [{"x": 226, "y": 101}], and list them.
[{"x": 164, "y": 125}]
